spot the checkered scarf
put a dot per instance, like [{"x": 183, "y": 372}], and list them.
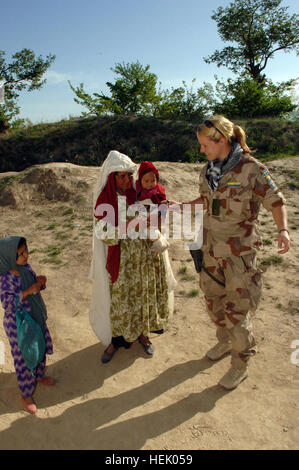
[{"x": 217, "y": 168}]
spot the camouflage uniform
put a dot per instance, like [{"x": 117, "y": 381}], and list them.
[{"x": 231, "y": 239}]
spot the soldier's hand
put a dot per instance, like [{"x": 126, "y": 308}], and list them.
[{"x": 283, "y": 242}]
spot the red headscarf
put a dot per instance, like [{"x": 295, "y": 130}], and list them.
[
  {"x": 147, "y": 167},
  {"x": 158, "y": 194},
  {"x": 109, "y": 196}
]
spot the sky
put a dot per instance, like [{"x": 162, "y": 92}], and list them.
[{"x": 89, "y": 37}]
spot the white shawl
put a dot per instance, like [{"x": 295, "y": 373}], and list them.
[{"x": 99, "y": 314}]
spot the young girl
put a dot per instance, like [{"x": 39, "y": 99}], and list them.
[
  {"x": 147, "y": 185},
  {"x": 18, "y": 280}
]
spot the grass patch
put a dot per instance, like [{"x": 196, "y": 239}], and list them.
[
  {"x": 182, "y": 270},
  {"x": 68, "y": 211},
  {"x": 52, "y": 226},
  {"x": 61, "y": 236},
  {"x": 8, "y": 180},
  {"x": 53, "y": 250},
  {"x": 272, "y": 260},
  {"x": 268, "y": 241},
  {"x": 193, "y": 293},
  {"x": 69, "y": 225},
  {"x": 52, "y": 253},
  {"x": 293, "y": 173},
  {"x": 293, "y": 185},
  {"x": 188, "y": 278},
  {"x": 53, "y": 260}
]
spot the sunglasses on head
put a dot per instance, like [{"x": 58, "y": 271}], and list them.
[{"x": 210, "y": 124}]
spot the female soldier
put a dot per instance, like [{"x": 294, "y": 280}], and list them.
[{"x": 232, "y": 187}]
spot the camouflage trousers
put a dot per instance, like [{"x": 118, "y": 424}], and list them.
[{"x": 231, "y": 307}]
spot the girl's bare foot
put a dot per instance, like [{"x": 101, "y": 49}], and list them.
[{"x": 29, "y": 405}]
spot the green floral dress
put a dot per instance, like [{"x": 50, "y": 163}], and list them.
[{"x": 139, "y": 297}]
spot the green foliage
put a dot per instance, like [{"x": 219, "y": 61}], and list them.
[
  {"x": 259, "y": 28},
  {"x": 272, "y": 260},
  {"x": 133, "y": 92},
  {"x": 88, "y": 141},
  {"x": 272, "y": 138},
  {"x": 246, "y": 97},
  {"x": 24, "y": 72},
  {"x": 184, "y": 103}
]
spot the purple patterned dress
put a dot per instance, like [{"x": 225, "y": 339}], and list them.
[{"x": 10, "y": 286}]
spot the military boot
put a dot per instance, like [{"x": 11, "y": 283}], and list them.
[
  {"x": 218, "y": 351},
  {"x": 234, "y": 377}
]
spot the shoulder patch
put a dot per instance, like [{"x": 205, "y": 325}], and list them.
[{"x": 269, "y": 180}]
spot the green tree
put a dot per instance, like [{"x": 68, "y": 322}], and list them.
[
  {"x": 259, "y": 28},
  {"x": 246, "y": 98},
  {"x": 24, "y": 72},
  {"x": 133, "y": 92},
  {"x": 184, "y": 103}
]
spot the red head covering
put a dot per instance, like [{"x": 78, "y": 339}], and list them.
[
  {"x": 109, "y": 196},
  {"x": 156, "y": 194},
  {"x": 147, "y": 167}
]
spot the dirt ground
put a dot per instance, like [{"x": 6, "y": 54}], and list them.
[{"x": 172, "y": 400}]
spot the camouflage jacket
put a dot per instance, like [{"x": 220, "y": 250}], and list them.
[{"x": 230, "y": 221}]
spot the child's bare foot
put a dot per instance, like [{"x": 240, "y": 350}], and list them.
[{"x": 29, "y": 405}]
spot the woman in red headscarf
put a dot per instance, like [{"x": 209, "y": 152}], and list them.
[{"x": 135, "y": 277}]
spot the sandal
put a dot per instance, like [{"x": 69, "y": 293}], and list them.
[
  {"x": 106, "y": 356},
  {"x": 147, "y": 345}
]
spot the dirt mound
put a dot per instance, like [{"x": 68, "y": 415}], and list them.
[{"x": 42, "y": 183}]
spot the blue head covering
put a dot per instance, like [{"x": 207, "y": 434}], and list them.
[{"x": 8, "y": 261}]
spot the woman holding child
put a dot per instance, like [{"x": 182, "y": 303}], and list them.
[{"x": 133, "y": 285}]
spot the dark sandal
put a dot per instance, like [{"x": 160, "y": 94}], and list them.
[{"x": 106, "y": 356}]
